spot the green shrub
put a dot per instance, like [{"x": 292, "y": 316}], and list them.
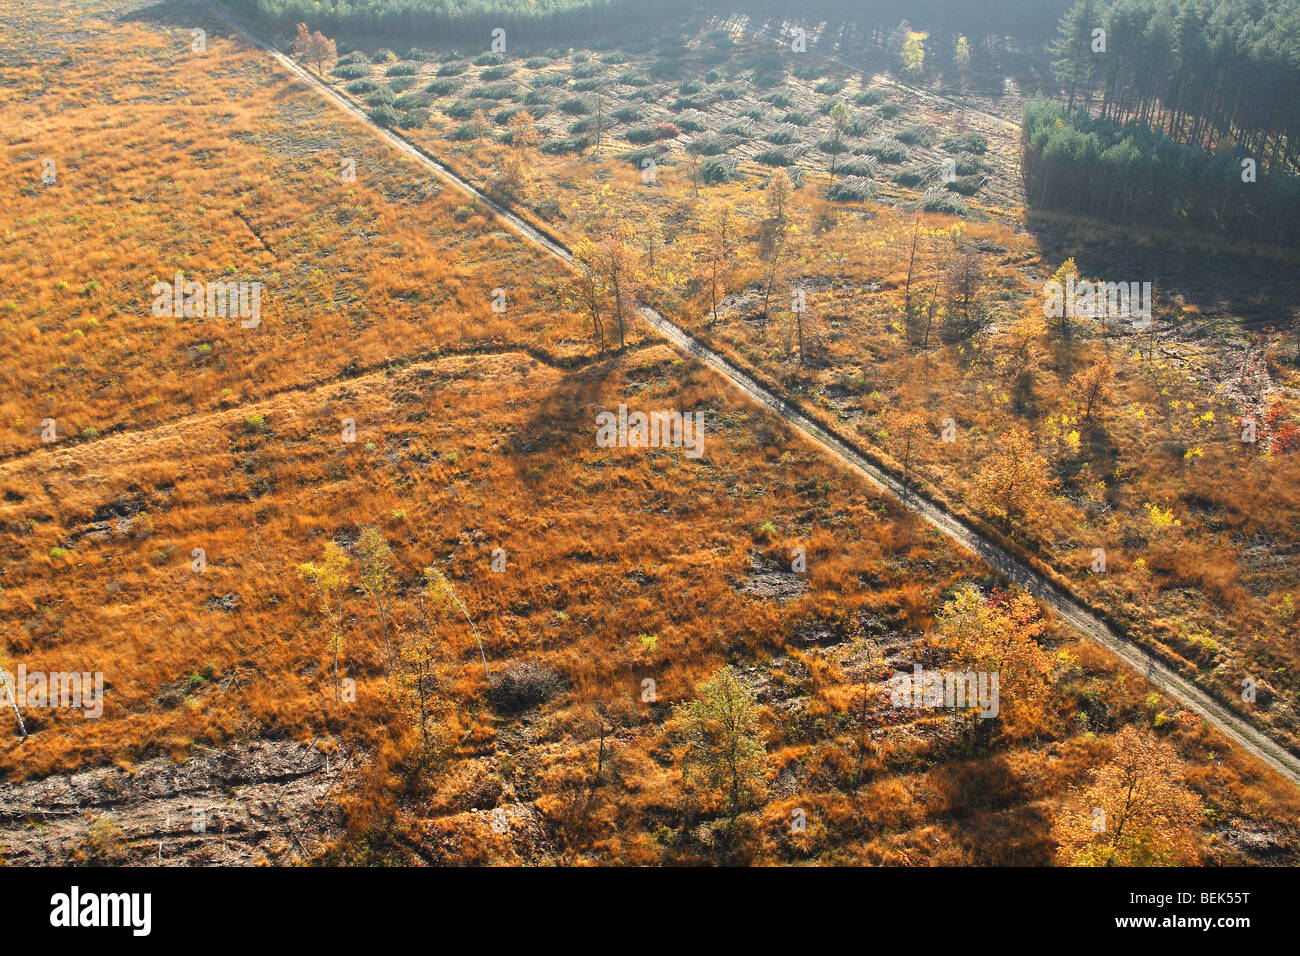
[
  {"x": 351, "y": 71},
  {"x": 717, "y": 169},
  {"x": 557, "y": 147},
  {"x": 916, "y": 135},
  {"x": 892, "y": 153},
  {"x": 411, "y": 101},
  {"x": 494, "y": 91},
  {"x": 966, "y": 185},
  {"x": 941, "y": 200},
  {"x": 966, "y": 143},
  {"x": 773, "y": 157},
  {"x": 911, "y": 177},
  {"x": 385, "y": 116},
  {"x": 464, "y": 109},
  {"x": 443, "y": 87}
]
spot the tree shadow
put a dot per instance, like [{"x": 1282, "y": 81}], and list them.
[{"x": 1252, "y": 286}]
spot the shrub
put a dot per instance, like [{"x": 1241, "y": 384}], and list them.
[
  {"x": 575, "y": 106},
  {"x": 829, "y": 87},
  {"x": 768, "y": 70},
  {"x": 796, "y": 118},
  {"x": 451, "y": 69},
  {"x": 889, "y": 110},
  {"x": 970, "y": 166},
  {"x": 691, "y": 122},
  {"x": 495, "y": 91},
  {"x": 464, "y": 109},
  {"x": 966, "y": 185},
  {"x": 773, "y": 157},
  {"x": 385, "y": 116},
  {"x": 941, "y": 200},
  {"x": 709, "y": 146},
  {"x": 411, "y": 101},
  {"x": 911, "y": 177},
  {"x": 524, "y": 687},
  {"x": 717, "y": 169},
  {"x": 851, "y": 189},
  {"x": 496, "y": 73},
  {"x": 402, "y": 69},
  {"x": 869, "y": 98},
  {"x": 413, "y": 119},
  {"x": 637, "y": 156},
  {"x": 916, "y": 135},
  {"x": 351, "y": 71},
  {"x": 382, "y": 96},
  {"x": 966, "y": 143},
  {"x": 892, "y": 153},
  {"x": 865, "y": 168},
  {"x": 651, "y": 134},
  {"x": 444, "y": 87},
  {"x": 401, "y": 84},
  {"x": 361, "y": 87},
  {"x": 489, "y": 59},
  {"x": 556, "y": 147}
]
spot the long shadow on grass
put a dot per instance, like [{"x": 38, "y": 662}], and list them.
[{"x": 1254, "y": 288}]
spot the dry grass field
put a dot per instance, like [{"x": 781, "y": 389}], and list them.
[{"x": 1199, "y": 528}]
